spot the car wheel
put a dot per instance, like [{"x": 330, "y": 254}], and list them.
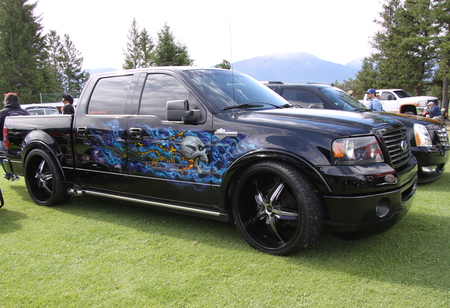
[
  {"x": 44, "y": 179},
  {"x": 276, "y": 208}
]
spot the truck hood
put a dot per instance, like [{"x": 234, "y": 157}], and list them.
[{"x": 332, "y": 122}]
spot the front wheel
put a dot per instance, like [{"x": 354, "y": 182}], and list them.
[
  {"x": 276, "y": 208},
  {"x": 44, "y": 179}
]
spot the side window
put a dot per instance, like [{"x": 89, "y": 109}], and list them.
[
  {"x": 301, "y": 98},
  {"x": 109, "y": 95},
  {"x": 158, "y": 89},
  {"x": 386, "y": 95}
]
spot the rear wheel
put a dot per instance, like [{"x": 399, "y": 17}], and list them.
[
  {"x": 276, "y": 208},
  {"x": 44, "y": 179}
]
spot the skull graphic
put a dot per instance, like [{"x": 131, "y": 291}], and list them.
[{"x": 193, "y": 148}]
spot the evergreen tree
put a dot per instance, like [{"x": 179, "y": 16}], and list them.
[
  {"x": 71, "y": 64},
  {"x": 404, "y": 51},
  {"x": 140, "y": 46},
  {"x": 23, "y": 55},
  {"x": 54, "y": 48},
  {"x": 441, "y": 14},
  {"x": 225, "y": 64},
  {"x": 168, "y": 52}
]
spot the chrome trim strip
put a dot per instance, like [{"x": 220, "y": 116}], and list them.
[{"x": 160, "y": 204}]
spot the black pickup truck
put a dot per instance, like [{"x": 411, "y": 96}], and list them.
[{"x": 218, "y": 144}]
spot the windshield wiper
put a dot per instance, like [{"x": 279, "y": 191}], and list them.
[
  {"x": 256, "y": 105},
  {"x": 242, "y": 106}
]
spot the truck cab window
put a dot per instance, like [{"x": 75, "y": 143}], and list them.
[
  {"x": 109, "y": 95},
  {"x": 160, "y": 88}
]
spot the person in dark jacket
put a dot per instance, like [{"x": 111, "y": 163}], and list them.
[
  {"x": 11, "y": 108},
  {"x": 68, "y": 104}
]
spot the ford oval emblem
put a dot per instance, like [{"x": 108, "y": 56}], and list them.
[{"x": 404, "y": 145}]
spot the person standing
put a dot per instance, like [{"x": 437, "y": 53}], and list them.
[
  {"x": 11, "y": 108},
  {"x": 374, "y": 103},
  {"x": 68, "y": 104}
]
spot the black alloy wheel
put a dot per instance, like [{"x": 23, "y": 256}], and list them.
[{"x": 276, "y": 208}]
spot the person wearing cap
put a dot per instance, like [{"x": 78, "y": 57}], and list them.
[
  {"x": 12, "y": 108},
  {"x": 351, "y": 93},
  {"x": 68, "y": 104},
  {"x": 374, "y": 103},
  {"x": 434, "y": 111}
]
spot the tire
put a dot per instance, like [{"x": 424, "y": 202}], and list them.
[
  {"x": 276, "y": 208},
  {"x": 44, "y": 179}
]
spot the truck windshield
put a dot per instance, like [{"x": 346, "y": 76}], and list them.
[
  {"x": 226, "y": 90},
  {"x": 342, "y": 100}
]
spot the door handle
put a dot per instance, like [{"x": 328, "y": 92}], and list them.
[
  {"x": 81, "y": 131},
  {"x": 135, "y": 133}
]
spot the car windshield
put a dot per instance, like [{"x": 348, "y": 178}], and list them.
[
  {"x": 403, "y": 93},
  {"x": 229, "y": 90},
  {"x": 342, "y": 100}
]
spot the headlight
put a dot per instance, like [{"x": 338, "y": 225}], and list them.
[
  {"x": 357, "y": 151},
  {"x": 422, "y": 136}
]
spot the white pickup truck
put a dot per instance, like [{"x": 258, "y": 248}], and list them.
[{"x": 398, "y": 100}]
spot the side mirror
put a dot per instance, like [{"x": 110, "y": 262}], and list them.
[{"x": 178, "y": 110}]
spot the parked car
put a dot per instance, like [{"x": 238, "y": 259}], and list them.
[
  {"x": 428, "y": 137},
  {"x": 40, "y": 109}
]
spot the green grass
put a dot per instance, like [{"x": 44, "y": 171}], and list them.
[{"x": 94, "y": 252}]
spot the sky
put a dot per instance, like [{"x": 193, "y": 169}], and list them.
[{"x": 333, "y": 30}]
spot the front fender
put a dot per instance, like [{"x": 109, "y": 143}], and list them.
[{"x": 232, "y": 174}]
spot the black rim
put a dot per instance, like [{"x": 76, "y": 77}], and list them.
[
  {"x": 269, "y": 211},
  {"x": 40, "y": 179}
]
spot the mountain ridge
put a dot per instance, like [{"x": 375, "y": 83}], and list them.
[{"x": 296, "y": 67}]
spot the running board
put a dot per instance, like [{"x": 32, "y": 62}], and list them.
[{"x": 216, "y": 214}]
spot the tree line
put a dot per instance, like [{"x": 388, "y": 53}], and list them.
[
  {"x": 411, "y": 50},
  {"x": 32, "y": 62}
]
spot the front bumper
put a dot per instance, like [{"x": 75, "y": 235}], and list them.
[
  {"x": 431, "y": 163},
  {"x": 377, "y": 212},
  {"x": 360, "y": 204}
]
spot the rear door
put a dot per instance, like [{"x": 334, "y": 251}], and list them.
[{"x": 101, "y": 136}]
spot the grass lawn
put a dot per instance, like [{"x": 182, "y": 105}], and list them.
[{"x": 94, "y": 252}]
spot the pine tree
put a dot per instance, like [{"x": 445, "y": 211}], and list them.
[
  {"x": 23, "y": 56},
  {"x": 139, "y": 48},
  {"x": 441, "y": 14},
  {"x": 71, "y": 64},
  {"x": 225, "y": 65},
  {"x": 54, "y": 48},
  {"x": 168, "y": 52},
  {"x": 404, "y": 53}
]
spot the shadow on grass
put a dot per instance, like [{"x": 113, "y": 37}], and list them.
[
  {"x": 415, "y": 252},
  {"x": 9, "y": 220}
]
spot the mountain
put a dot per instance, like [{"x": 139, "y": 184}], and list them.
[
  {"x": 295, "y": 68},
  {"x": 289, "y": 68}
]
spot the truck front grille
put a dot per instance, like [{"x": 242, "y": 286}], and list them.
[
  {"x": 398, "y": 147},
  {"x": 441, "y": 133}
]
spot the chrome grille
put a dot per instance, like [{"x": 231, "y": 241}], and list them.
[
  {"x": 441, "y": 132},
  {"x": 398, "y": 147}
]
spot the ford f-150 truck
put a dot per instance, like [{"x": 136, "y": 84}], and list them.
[{"x": 218, "y": 144}]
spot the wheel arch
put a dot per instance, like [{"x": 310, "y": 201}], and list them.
[
  {"x": 239, "y": 165},
  {"x": 39, "y": 139}
]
